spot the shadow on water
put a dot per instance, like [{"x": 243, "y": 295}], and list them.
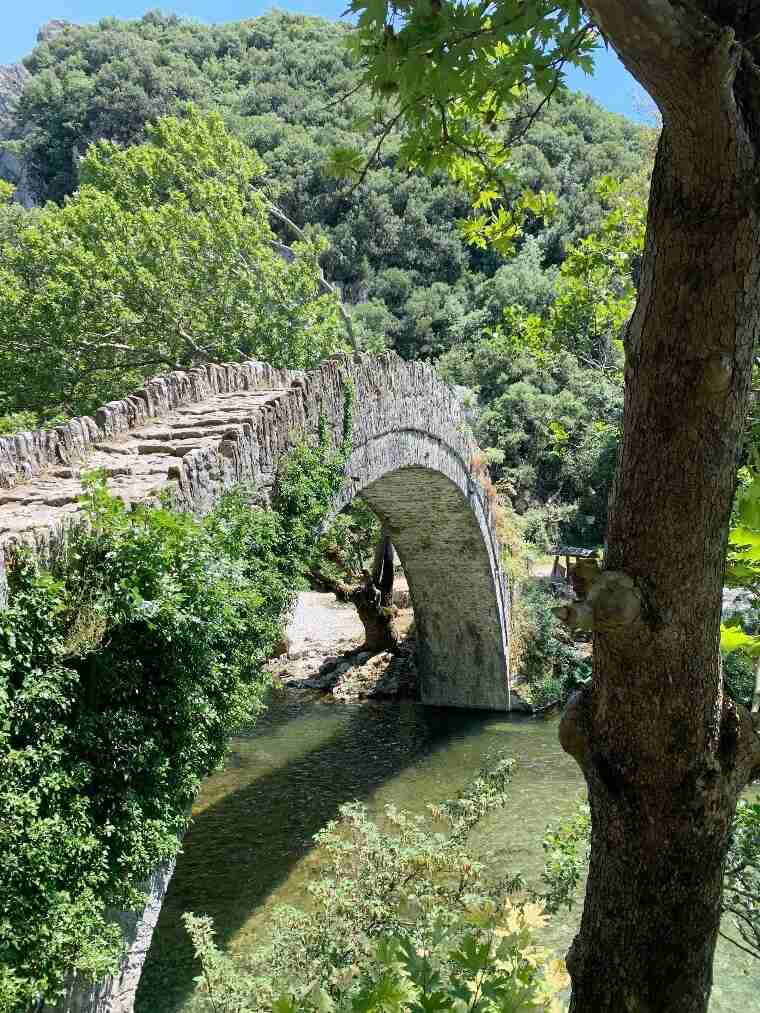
[{"x": 257, "y": 819}]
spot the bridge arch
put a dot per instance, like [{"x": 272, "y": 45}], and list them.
[{"x": 425, "y": 496}]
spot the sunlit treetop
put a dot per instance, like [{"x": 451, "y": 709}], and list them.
[{"x": 465, "y": 81}]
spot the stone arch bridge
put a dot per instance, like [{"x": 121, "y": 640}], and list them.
[
  {"x": 196, "y": 433},
  {"x": 413, "y": 461}
]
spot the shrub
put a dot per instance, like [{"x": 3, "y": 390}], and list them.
[
  {"x": 549, "y": 665},
  {"x": 399, "y": 919},
  {"x": 739, "y": 676},
  {"x": 741, "y": 883},
  {"x": 124, "y": 667},
  {"x": 17, "y": 422}
]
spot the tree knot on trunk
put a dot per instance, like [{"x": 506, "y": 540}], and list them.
[
  {"x": 717, "y": 374},
  {"x": 614, "y": 604},
  {"x": 574, "y": 732}
]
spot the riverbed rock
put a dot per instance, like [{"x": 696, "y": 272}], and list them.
[
  {"x": 352, "y": 675},
  {"x": 382, "y": 676}
]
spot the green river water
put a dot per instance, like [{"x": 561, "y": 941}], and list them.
[{"x": 250, "y": 846}]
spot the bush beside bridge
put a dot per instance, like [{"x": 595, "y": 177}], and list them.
[{"x": 125, "y": 663}]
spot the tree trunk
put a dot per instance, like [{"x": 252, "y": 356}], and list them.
[
  {"x": 383, "y": 569},
  {"x": 374, "y": 600},
  {"x": 664, "y": 753},
  {"x": 379, "y": 634}
]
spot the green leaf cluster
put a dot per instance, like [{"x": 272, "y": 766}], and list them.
[
  {"x": 548, "y": 666},
  {"x": 459, "y": 76},
  {"x": 739, "y": 639}
]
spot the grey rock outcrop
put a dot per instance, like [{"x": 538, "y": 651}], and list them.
[
  {"x": 13, "y": 167},
  {"x": 52, "y": 28}
]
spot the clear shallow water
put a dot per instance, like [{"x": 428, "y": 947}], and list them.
[{"x": 250, "y": 846}]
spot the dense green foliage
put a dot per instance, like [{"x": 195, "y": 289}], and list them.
[
  {"x": 554, "y": 427},
  {"x": 280, "y": 82},
  {"x": 549, "y": 375},
  {"x": 550, "y": 665},
  {"x": 160, "y": 260},
  {"x": 739, "y": 635},
  {"x": 741, "y": 884},
  {"x": 566, "y": 853},
  {"x": 124, "y": 666},
  {"x": 739, "y": 676},
  {"x": 285, "y": 85},
  {"x": 400, "y": 918}
]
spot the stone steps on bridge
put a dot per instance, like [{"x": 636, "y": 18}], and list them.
[{"x": 139, "y": 464}]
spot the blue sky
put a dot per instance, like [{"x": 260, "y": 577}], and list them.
[{"x": 611, "y": 85}]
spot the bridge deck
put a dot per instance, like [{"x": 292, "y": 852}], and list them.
[{"x": 139, "y": 464}]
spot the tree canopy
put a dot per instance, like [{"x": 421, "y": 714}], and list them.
[
  {"x": 161, "y": 259},
  {"x": 285, "y": 87}
]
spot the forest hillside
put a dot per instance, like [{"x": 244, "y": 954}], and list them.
[{"x": 284, "y": 85}]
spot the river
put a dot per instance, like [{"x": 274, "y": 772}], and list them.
[{"x": 250, "y": 845}]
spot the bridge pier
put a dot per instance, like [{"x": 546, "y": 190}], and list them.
[{"x": 117, "y": 994}]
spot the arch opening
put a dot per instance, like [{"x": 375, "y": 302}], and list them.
[{"x": 441, "y": 528}]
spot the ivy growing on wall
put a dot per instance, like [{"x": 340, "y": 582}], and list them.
[{"x": 125, "y": 663}]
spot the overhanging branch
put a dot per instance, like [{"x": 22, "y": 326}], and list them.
[
  {"x": 675, "y": 50},
  {"x": 325, "y": 286}
]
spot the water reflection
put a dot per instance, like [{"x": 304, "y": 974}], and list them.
[{"x": 256, "y": 820}]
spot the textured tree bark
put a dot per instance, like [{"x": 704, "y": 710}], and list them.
[
  {"x": 664, "y": 753},
  {"x": 372, "y": 597},
  {"x": 379, "y": 634},
  {"x": 374, "y": 600}
]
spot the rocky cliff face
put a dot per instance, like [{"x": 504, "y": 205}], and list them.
[
  {"x": 12, "y": 168},
  {"x": 51, "y": 28}
]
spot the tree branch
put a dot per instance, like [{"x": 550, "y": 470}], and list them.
[
  {"x": 157, "y": 360},
  {"x": 387, "y": 128},
  {"x": 729, "y": 939},
  {"x": 326, "y": 287},
  {"x": 198, "y": 349},
  {"x": 676, "y": 51}
]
